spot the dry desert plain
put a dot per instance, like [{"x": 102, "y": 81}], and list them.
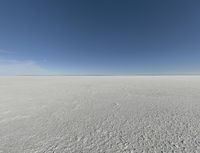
[{"x": 100, "y": 114}]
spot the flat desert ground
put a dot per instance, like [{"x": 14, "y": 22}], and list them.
[{"x": 100, "y": 114}]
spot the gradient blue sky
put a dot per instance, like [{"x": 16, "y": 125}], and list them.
[{"x": 44, "y": 37}]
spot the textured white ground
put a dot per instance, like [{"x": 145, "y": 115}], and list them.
[{"x": 100, "y": 114}]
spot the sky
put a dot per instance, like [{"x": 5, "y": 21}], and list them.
[{"x": 99, "y": 37}]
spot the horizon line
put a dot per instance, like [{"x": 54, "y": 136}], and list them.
[{"x": 108, "y": 75}]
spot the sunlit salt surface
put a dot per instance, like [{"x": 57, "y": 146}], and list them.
[{"x": 99, "y": 114}]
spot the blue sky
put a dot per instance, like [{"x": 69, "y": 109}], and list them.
[{"x": 49, "y": 37}]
